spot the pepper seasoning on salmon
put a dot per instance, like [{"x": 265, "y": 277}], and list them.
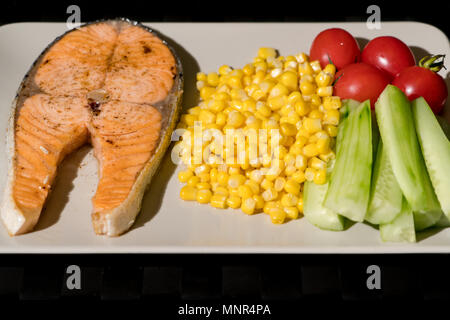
[{"x": 113, "y": 84}]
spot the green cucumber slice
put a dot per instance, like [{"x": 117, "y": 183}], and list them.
[
  {"x": 313, "y": 209},
  {"x": 435, "y": 149},
  {"x": 401, "y": 229},
  {"x": 349, "y": 187},
  {"x": 386, "y": 196},
  {"x": 398, "y": 133}
]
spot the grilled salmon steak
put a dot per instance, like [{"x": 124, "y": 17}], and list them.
[{"x": 114, "y": 84}]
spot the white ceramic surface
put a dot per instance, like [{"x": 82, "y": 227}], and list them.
[{"x": 166, "y": 223}]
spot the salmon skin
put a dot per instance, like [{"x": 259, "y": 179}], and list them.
[{"x": 112, "y": 83}]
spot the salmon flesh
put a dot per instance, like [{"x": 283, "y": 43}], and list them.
[{"x": 114, "y": 84}]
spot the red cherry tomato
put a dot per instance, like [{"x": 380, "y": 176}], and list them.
[
  {"x": 360, "y": 81},
  {"x": 335, "y": 45},
  {"x": 418, "y": 82},
  {"x": 388, "y": 54}
]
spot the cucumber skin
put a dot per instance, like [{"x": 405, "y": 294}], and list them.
[
  {"x": 401, "y": 229},
  {"x": 435, "y": 149},
  {"x": 349, "y": 187},
  {"x": 385, "y": 195},
  {"x": 398, "y": 133}
]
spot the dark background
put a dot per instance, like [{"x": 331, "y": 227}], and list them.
[{"x": 288, "y": 283}]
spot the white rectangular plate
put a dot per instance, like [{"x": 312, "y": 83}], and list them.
[{"x": 166, "y": 223}]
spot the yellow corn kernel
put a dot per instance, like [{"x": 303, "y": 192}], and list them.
[
  {"x": 213, "y": 175},
  {"x": 307, "y": 87},
  {"x": 234, "y": 192},
  {"x": 313, "y": 138},
  {"x": 325, "y": 91},
  {"x": 256, "y": 176},
  {"x": 254, "y": 187},
  {"x": 294, "y": 97},
  {"x": 247, "y": 80},
  {"x": 300, "y": 162},
  {"x": 277, "y": 102},
  {"x": 192, "y": 182},
  {"x": 235, "y": 180},
  {"x": 219, "y": 201},
  {"x": 315, "y": 114},
  {"x": 204, "y": 177},
  {"x": 301, "y": 57},
  {"x": 330, "y": 69},
  {"x": 265, "y": 53},
  {"x": 290, "y": 80},
  {"x": 206, "y": 117},
  {"x": 234, "y": 82},
  {"x": 204, "y": 196},
  {"x": 301, "y": 107},
  {"x": 287, "y": 108},
  {"x": 300, "y": 204},
  {"x": 323, "y": 79},
  {"x": 290, "y": 170},
  {"x": 260, "y": 66},
  {"x": 222, "y": 178},
  {"x": 278, "y": 184},
  {"x": 270, "y": 194},
  {"x": 309, "y": 174},
  {"x": 222, "y": 96},
  {"x": 258, "y": 77},
  {"x": 184, "y": 176},
  {"x": 312, "y": 125},
  {"x": 332, "y": 102},
  {"x": 327, "y": 156},
  {"x": 331, "y": 130},
  {"x": 279, "y": 90},
  {"x": 221, "y": 119},
  {"x": 224, "y": 70},
  {"x": 288, "y": 129},
  {"x": 188, "y": 193},
  {"x": 221, "y": 190},
  {"x": 201, "y": 76},
  {"x": 305, "y": 69},
  {"x": 245, "y": 191},
  {"x": 216, "y": 106},
  {"x": 320, "y": 177},
  {"x": 263, "y": 109},
  {"x": 292, "y": 186},
  {"x": 213, "y": 79},
  {"x": 296, "y": 148},
  {"x": 248, "y": 69},
  {"x": 310, "y": 150},
  {"x": 315, "y": 100},
  {"x": 331, "y": 117},
  {"x": 289, "y": 200},
  {"x": 259, "y": 201},
  {"x": 315, "y": 65},
  {"x": 206, "y": 92},
  {"x": 234, "y": 170},
  {"x": 249, "y": 105},
  {"x": 270, "y": 206},
  {"x": 235, "y": 119},
  {"x": 291, "y": 212},
  {"x": 298, "y": 176},
  {"x": 248, "y": 205},
  {"x": 323, "y": 145},
  {"x": 190, "y": 119},
  {"x": 234, "y": 202},
  {"x": 289, "y": 159},
  {"x": 316, "y": 163},
  {"x": 277, "y": 216},
  {"x": 203, "y": 185}
]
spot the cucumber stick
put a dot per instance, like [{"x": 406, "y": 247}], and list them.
[
  {"x": 313, "y": 209},
  {"x": 401, "y": 229},
  {"x": 435, "y": 149},
  {"x": 398, "y": 133},
  {"x": 386, "y": 196},
  {"x": 349, "y": 187}
]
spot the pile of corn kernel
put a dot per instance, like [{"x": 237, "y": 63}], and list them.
[{"x": 289, "y": 93}]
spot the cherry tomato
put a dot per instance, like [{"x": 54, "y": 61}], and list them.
[
  {"x": 360, "y": 81},
  {"x": 420, "y": 81},
  {"x": 335, "y": 45},
  {"x": 388, "y": 54}
]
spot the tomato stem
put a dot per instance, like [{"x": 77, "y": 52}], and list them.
[{"x": 432, "y": 63}]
